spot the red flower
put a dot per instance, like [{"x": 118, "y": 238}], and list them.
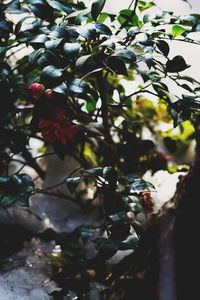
[
  {"x": 36, "y": 89},
  {"x": 58, "y": 129}
]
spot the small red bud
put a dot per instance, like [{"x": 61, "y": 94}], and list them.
[
  {"x": 36, "y": 89},
  {"x": 49, "y": 94}
]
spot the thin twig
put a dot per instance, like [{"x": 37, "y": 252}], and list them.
[
  {"x": 60, "y": 183},
  {"x": 128, "y": 18},
  {"x": 33, "y": 159}
]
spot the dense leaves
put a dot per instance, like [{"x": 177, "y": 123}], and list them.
[
  {"x": 68, "y": 89},
  {"x": 16, "y": 189}
]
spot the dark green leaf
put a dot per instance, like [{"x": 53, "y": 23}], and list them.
[
  {"x": 71, "y": 50},
  {"x": 72, "y": 183},
  {"x": 139, "y": 185},
  {"x": 111, "y": 176},
  {"x": 46, "y": 58},
  {"x": 60, "y": 89},
  {"x": 67, "y": 8},
  {"x": 129, "y": 243},
  {"x": 78, "y": 14},
  {"x": 117, "y": 65},
  {"x": 53, "y": 45},
  {"x": 87, "y": 31},
  {"x": 51, "y": 75},
  {"x": 103, "y": 29},
  {"x": 3, "y": 52},
  {"x": 7, "y": 200},
  {"x": 118, "y": 217},
  {"x": 33, "y": 57},
  {"x": 85, "y": 232},
  {"x": 22, "y": 200},
  {"x": 81, "y": 61},
  {"x": 126, "y": 54},
  {"x": 38, "y": 40},
  {"x": 177, "y": 64},
  {"x": 106, "y": 247},
  {"x": 96, "y": 171},
  {"x": 97, "y": 7},
  {"x": 59, "y": 32},
  {"x": 163, "y": 47},
  {"x": 78, "y": 86}
]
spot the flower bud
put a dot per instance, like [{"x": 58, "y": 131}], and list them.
[
  {"x": 49, "y": 94},
  {"x": 36, "y": 89}
]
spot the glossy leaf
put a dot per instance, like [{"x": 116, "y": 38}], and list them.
[
  {"x": 177, "y": 64},
  {"x": 62, "y": 7},
  {"x": 51, "y": 75},
  {"x": 72, "y": 183},
  {"x": 97, "y": 6},
  {"x": 177, "y": 30},
  {"x": 163, "y": 47},
  {"x": 71, "y": 50},
  {"x": 129, "y": 243}
]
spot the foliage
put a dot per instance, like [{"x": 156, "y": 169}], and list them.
[{"x": 69, "y": 90}]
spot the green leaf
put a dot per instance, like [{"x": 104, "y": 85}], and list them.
[
  {"x": 102, "y": 29},
  {"x": 87, "y": 31},
  {"x": 38, "y": 40},
  {"x": 85, "y": 232},
  {"x": 111, "y": 176},
  {"x": 33, "y": 57},
  {"x": 126, "y": 55},
  {"x": 78, "y": 14},
  {"x": 177, "y": 30},
  {"x": 4, "y": 180},
  {"x": 96, "y": 171},
  {"x": 53, "y": 45},
  {"x": 59, "y": 32},
  {"x": 7, "y": 200},
  {"x": 46, "y": 58},
  {"x": 177, "y": 64},
  {"x": 81, "y": 61},
  {"x": 129, "y": 243},
  {"x": 22, "y": 200},
  {"x": 78, "y": 86},
  {"x": 66, "y": 8},
  {"x": 106, "y": 247},
  {"x": 117, "y": 65},
  {"x": 60, "y": 89},
  {"x": 118, "y": 217},
  {"x": 72, "y": 183},
  {"x": 163, "y": 47},
  {"x": 97, "y": 7},
  {"x": 16, "y": 189},
  {"x": 90, "y": 105},
  {"x": 51, "y": 75},
  {"x": 71, "y": 50},
  {"x": 3, "y": 52},
  {"x": 139, "y": 185}
]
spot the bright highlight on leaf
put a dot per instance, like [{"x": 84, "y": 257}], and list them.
[{"x": 177, "y": 30}]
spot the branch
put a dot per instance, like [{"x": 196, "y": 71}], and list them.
[
  {"x": 31, "y": 162},
  {"x": 104, "y": 106},
  {"x": 129, "y": 18}
]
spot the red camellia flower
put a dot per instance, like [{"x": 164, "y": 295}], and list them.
[
  {"x": 58, "y": 128},
  {"x": 36, "y": 89}
]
